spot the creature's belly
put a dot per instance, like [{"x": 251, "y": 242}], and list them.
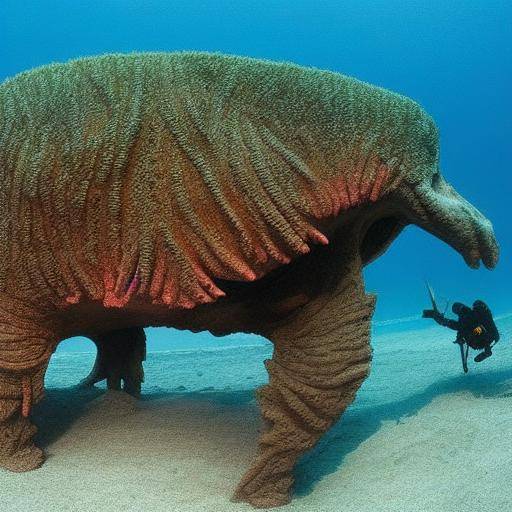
[
  {"x": 223, "y": 317},
  {"x": 246, "y": 309}
]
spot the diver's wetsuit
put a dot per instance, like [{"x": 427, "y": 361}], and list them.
[{"x": 475, "y": 326}]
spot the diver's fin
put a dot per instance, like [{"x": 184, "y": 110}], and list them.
[
  {"x": 464, "y": 356},
  {"x": 432, "y": 296}
]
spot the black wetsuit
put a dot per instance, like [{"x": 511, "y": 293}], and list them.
[
  {"x": 475, "y": 326},
  {"x": 465, "y": 327}
]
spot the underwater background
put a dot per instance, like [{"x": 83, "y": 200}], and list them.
[{"x": 452, "y": 56}]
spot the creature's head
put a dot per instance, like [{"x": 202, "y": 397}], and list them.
[
  {"x": 423, "y": 197},
  {"x": 438, "y": 208}
]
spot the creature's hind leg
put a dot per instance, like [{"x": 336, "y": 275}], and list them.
[
  {"x": 119, "y": 359},
  {"x": 316, "y": 369},
  {"x": 25, "y": 349}
]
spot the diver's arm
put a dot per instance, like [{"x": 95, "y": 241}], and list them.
[
  {"x": 441, "y": 319},
  {"x": 447, "y": 322}
]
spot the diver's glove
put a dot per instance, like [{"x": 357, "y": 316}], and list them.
[{"x": 430, "y": 313}]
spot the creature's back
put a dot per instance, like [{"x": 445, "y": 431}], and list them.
[{"x": 176, "y": 168}]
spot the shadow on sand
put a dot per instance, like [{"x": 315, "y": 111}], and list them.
[
  {"x": 62, "y": 407},
  {"x": 358, "y": 425},
  {"x": 58, "y": 410}
]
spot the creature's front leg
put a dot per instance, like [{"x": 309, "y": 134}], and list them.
[{"x": 318, "y": 364}]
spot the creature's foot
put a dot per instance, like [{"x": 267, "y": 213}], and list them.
[
  {"x": 264, "y": 498},
  {"x": 27, "y": 459},
  {"x": 132, "y": 386},
  {"x": 267, "y": 484},
  {"x": 17, "y": 451},
  {"x": 119, "y": 360}
]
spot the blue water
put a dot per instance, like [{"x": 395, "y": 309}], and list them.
[{"x": 454, "y": 57}]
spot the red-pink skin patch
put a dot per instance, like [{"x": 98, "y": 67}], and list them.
[
  {"x": 342, "y": 194},
  {"x": 349, "y": 194},
  {"x": 73, "y": 299}
]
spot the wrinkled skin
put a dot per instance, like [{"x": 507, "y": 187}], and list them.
[{"x": 438, "y": 208}]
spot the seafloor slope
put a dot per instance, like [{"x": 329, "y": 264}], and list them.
[{"x": 421, "y": 435}]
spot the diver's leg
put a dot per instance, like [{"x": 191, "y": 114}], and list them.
[
  {"x": 465, "y": 363},
  {"x": 317, "y": 366},
  {"x": 487, "y": 352}
]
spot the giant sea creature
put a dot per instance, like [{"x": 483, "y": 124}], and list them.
[{"x": 210, "y": 192}]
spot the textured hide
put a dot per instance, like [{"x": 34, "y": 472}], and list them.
[{"x": 173, "y": 169}]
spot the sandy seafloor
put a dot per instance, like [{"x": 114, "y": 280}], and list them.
[{"x": 420, "y": 436}]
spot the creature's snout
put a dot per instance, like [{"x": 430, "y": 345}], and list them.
[{"x": 438, "y": 208}]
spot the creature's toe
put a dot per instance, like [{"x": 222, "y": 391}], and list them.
[
  {"x": 262, "y": 487},
  {"x": 262, "y": 498}
]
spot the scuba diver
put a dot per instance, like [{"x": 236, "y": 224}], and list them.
[{"x": 475, "y": 327}]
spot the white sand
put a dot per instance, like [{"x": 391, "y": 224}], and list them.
[{"x": 438, "y": 444}]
